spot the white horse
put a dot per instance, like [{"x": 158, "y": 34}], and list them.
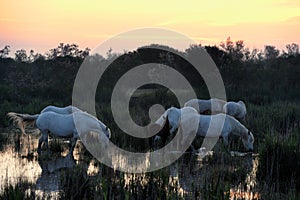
[
  {"x": 61, "y": 125},
  {"x": 64, "y": 111},
  {"x": 231, "y": 126},
  {"x": 212, "y": 106},
  {"x": 237, "y": 110}
]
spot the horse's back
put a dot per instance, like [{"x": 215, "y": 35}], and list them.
[
  {"x": 192, "y": 103},
  {"x": 199, "y": 104},
  {"x": 187, "y": 110},
  {"x": 214, "y": 125},
  {"x": 217, "y": 124},
  {"x": 217, "y": 105},
  {"x": 58, "y": 124},
  {"x": 202, "y": 105},
  {"x": 61, "y": 110},
  {"x": 65, "y": 110}
]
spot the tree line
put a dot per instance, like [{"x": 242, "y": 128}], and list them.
[
  {"x": 60, "y": 51},
  {"x": 233, "y": 50}
]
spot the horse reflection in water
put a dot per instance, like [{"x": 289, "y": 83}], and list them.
[
  {"x": 50, "y": 166},
  {"x": 50, "y": 179}
]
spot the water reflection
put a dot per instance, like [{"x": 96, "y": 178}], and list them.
[
  {"x": 20, "y": 163},
  {"x": 245, "y": 190},
  {"x": 189, "y": 175},
  {"x": 14, "y": 168}
]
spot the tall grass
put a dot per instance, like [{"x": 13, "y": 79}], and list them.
[{"x": 276, "y": 128}]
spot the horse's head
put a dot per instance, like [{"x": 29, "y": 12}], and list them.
[
  {"x": 161, "y": 120},
  {"x": 163, "y": 132},
  {"x": 248, "y": 141}
]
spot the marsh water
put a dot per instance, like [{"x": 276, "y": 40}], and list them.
[{"x": 45, "y": 175}]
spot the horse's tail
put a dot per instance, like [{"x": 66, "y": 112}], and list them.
[{"x": 22, "y": 120}]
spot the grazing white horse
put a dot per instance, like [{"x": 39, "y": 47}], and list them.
[
  {"x": 231, "y": 126},
  {"x": 61, "y": 125},
  {"x": 212, "y": 106},
  {"x": 64, "y": 111},
  {"x": 237, "y": 110}
]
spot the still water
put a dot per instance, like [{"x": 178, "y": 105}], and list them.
[{"x": 44, "y": 174}]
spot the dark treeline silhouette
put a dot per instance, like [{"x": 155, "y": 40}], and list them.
[{"x": 31, "y": 81}]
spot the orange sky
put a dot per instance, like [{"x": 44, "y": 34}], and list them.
[{"x": 42, "y": 25}]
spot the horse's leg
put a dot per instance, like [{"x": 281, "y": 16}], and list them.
[
  {"x": 40, "y": 144},
  {"x": 43, "y": 139},
  {"x": 194, "y": 151},
  {"x": 45, "y": 136},
  {"x": 225, "y": 141},
  {"x": 73, "y": 143},
  {"x": 156, "y": 141}
]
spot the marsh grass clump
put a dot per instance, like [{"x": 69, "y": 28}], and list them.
[
  {"x": 18, "y": 191},
  {"x": 154, "y": 185},
  {"x": 76, "y": 184},
  {"x": 277, "y": 127},
  {"x": 279, "y": 164},
  {"x": 3, "y": 140}
]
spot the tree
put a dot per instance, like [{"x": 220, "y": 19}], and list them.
[
  {"x": 67, "y": 50},
  {"x": 236, "y": 50},
  {"x": 39, "y": 56},
  {"x": 31, "y": 56},
  {"x": 194, "y": 50},
  {"x": 219, "y": 56},
  {"x": 5, "y": 51},
  {"x": 84, "y": 53},
  {"x": 271, "y": 52},
  {"x": 21, "y": 56},
  {"x": 53, "y": 53},
  {"x": 254, "y": 55},
  {"x": 228, "y": 45},
  {"x": 292, "y": 49}
]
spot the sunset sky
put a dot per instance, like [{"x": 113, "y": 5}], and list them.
[{"x": 42, "y": 25}]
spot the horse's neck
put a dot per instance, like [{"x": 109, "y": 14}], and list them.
[
  {"x": 174, "y": 114},
  {"x": 103, "y": 127},
  {"x": 161, "y": 120}
]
